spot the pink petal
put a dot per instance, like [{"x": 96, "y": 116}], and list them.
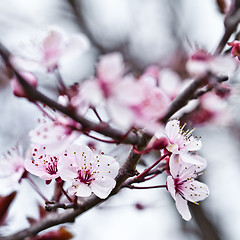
[
  {"x": 171, "y": 187},
  {"x": 182, "y": 207},
  {"x": 108, "y": 166},
  {"x": 195, "y": 191},
  {"x": 83, "y": 190},
  {"x": 192, "y": 158},
  {"x": 102, "y": 187}
]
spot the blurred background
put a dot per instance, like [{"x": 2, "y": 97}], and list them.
[{"x": 146, "y": 32}]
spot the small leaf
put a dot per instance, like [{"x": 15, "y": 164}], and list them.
[{"x": 5, "y": 203}]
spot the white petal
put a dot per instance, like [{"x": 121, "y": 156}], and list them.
[
  {"x": 172, "y": 129},
  {"x": 192, "y": 158},
  {"x": 182, "y": 207},
  {"x": 193, "y": 144},
  {"x": 171, "y": 187},
  {"x": 195, "y": 191},
  {"x": 108, "y": 166},
  {"x": 83, "y": 190},
  {"x": 175, "y": 165},
  {"x": 103, "y": 186}
]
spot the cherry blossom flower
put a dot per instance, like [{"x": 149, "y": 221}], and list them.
[
  {"x": 54, "y": 135},
  {"x": 137, "y": 102},
  {"x": 11, "y": 170},
  {"x": 110, "y": 71},
  {"x": 55, "y": 46},
  {"x": 212, "y": 109},
  {"x": 182, "y": 142},
  {"x": 43, "y": 165},
  {"x": 49, "y": 49},
  {"x": 183, "y": 186},
  {"x": 58, "y": 132},
  {"x": 88, "y": 172},
  {"x": 235, "y": 48},
  {"x": 16, "y": 86},
  {"x": 201, "y": 63}
]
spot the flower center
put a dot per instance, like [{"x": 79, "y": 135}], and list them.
[
  {"x": 51, "y": 167},
  {"x": 85, "y": 176}
]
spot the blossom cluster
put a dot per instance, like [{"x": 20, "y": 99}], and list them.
[
  {"x": 184, "y": 167},
  {"x": 87, "y": 171},
  {"x": 130, "y": 102}
]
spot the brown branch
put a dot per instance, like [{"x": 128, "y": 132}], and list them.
[
  {"x": 182, "y": 99},
  {"x": 33, "y": 94},
  {"x": 231, "y": 22}
]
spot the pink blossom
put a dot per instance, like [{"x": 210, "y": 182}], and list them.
[
  {"x": 110, "y": 71},
  {"x": 11, "y": 170},
  {"x": 88, "y": 172},
  {"x": 183, "y": 186},
  {"x": 235, "y": 48},
  {"x": 55, "y": 46},
  {"x": 211, "y": 109},
  {"x": 46, "y": 50},
  {"x": 137, "y": 102},
  {"x": 43, "y": 165},
  {"x": 17, "y": 87},
  {"x": 182, "y": 142},
  {"x": 201, "y": 63},
  {"x": 54, "y": 135}
]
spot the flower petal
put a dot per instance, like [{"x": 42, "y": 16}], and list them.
[
  {"x": 182, "y": 207},
  {"x": 83, "y": 190},
  {"x": 103, "y": 186},
  {"x": 171, "y": 187}
]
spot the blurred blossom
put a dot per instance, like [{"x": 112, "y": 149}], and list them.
[
  {"x": 49, "y": 50},
  {"x": 202, "y": 63},
  {"x": 11, "y": 170},
  {"x": 17, "y": 87}
]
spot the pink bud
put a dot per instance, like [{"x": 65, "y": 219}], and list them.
[
  {"x": 160, "y": 143},
  {"x": 235, "y": 48},
  {"x": 17, "y": 87}
]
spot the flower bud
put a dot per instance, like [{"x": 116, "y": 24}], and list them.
[
  {"x": 18, "y": 90},
  {"x": 160, "y": 143}
]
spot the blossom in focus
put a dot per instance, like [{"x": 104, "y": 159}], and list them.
[
  {"x": 201, "y": 63},
  {"x": 43, "y": 164},
  {"x": 11, "y": 170},
  {"x": 17, "y": 87},
  {"x": 182, "y": 142},
  {"x": 88, "y": 172},
  {"x": 235, "y": 48},
  {"x": 183, "y": 186}
]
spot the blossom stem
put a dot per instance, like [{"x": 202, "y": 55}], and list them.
[
  {"x": 147, "y": 150},
  {"x": 151, "y": 177},
  {"x": 97, "y": 115},
  {"x": 61, "y": 83},
  {"x": 149, "y": 187},
  {"x": 44, "y": 112},
  {"x": 37, "y": 189},
  {"x": 99, "y": 139},
  {"x": 152, "y": 166},
  {"x": 64, "y": 192}
]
